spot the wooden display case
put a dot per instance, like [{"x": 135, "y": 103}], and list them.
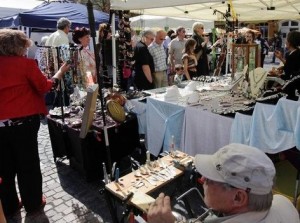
[{"x": 244, "y": 54}]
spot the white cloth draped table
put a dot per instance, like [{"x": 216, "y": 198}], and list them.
[
  {"x": 271, "y": 128},
  {"x": 164, "y": 120},
  {"x": 204, "y": 132}
]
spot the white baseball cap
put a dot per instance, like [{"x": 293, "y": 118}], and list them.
[{"x": 238, "y": 165}]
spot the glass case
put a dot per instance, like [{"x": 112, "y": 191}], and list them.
[{"x": 242, "y": 55}]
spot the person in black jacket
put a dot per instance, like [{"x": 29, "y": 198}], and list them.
[
  {"x": 291, "y": 68},
  {"x": 200, "y": 49},
  {"x": 264, "y": 48},
  {"x": 277, "y": 45},
  {"x": 144, "y": 65},
  {"x": 292, "y": 57}
]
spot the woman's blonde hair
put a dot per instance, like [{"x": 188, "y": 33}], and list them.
[
  {"x": 13, "y": 42},
  {"x": 197, "y": 25}
]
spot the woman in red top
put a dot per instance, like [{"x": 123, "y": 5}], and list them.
[
  {"x": 22, "y": 89},
  {"x": 2, "y": 217}
]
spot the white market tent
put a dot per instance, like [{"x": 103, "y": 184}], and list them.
[
  {"x": 150, "y": 21},
  {"x": 12, "y": 7},
  {"x": 245, "y": 10}
]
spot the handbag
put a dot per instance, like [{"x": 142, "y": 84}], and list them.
[{"x": 126, "y": 71}]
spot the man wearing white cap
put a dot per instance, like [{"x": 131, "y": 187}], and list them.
[{"x": 237, "y": 182}]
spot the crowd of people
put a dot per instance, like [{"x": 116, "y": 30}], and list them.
[
  {"x": 156, "y": 53},
  {"x": 192, "y": 53}
]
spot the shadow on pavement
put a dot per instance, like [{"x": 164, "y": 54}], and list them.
[{"x": 94, "y": 208}]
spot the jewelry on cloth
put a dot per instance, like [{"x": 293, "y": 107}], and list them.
[{"x": 255, "y": 82}]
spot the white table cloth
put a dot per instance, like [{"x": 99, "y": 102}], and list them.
[
  {"x": 164, "y": 120},
  {"x": 271, "y": 128},
  {"x": 204, "y": 132}
]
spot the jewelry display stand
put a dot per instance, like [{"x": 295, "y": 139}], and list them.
[
  {"x": 257, "y": 79},
  {"x": 242, "y": 55}
]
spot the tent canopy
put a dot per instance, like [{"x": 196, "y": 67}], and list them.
[
  {"x": 150, "y": 21},
  {"x": 245, "y": 10},
  {"x": 12, "y": 7},
  {"x": 47, "y": 14}
]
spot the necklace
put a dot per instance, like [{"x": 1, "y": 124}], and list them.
[{"x": 255, "y": 83}]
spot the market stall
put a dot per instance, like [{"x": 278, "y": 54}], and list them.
[{"x": 87, "y": 154}]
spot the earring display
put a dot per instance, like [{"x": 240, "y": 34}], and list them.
[{"x": 242, "y": 55}]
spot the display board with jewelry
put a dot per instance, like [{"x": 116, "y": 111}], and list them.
[
  {"x": 147, "y": 178},
  {"x": 242, "y": 55},
  {"x": 222, "y": 96},
  {"x": 257, "y": 79},
  {"x": 82, "y": 103},
  {"x": 51, "y": 57}
]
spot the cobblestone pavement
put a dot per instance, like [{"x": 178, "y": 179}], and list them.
[{"x": 69, "y": 197}]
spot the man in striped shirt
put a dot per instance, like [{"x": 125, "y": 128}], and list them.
[{"x": 158, "y": 53}]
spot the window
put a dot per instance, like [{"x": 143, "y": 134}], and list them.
[
  {"x": 294, "y": 23},
  {"x": 285, "y": 24}
]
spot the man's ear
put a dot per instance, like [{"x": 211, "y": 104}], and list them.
[{"x": 241, "y": 198}]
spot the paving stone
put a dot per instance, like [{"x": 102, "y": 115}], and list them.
[
  {"x": 70, "y": 218},
  {"x": 56, "y": 202},
  {"x": 69, "y": 197}
]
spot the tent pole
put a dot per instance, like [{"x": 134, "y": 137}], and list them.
[
  {"x": 100, "y": 80},
  {"x": 114, "y": 62}
]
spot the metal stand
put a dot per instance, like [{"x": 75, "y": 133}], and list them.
[
  {"x": 296, "y": 188},
  {"x": 99, "y": 79},
  {"x": 113, "y": 208}
]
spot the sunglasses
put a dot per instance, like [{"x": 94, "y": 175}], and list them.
[
  {"x": 150, "y": 38},
  {"x": 179, "y": 68}
]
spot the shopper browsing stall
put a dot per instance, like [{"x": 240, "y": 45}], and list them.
[
  {"x": 58, "y": 39},
  {"x": 264, "y": 48},
  {"x": 159, "y": 56},
  {"x": 189, "y": 59},
  {"x": 144, "y": 64},
  {"x": 176, "y": 48},
  {"x": 200, "y": 49},
  {"x": 2, "y": 217},
  {"x": 60, "y": 36},
  {"x": 179, "y": 75},
  {"x": 22, "y": 89}
]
